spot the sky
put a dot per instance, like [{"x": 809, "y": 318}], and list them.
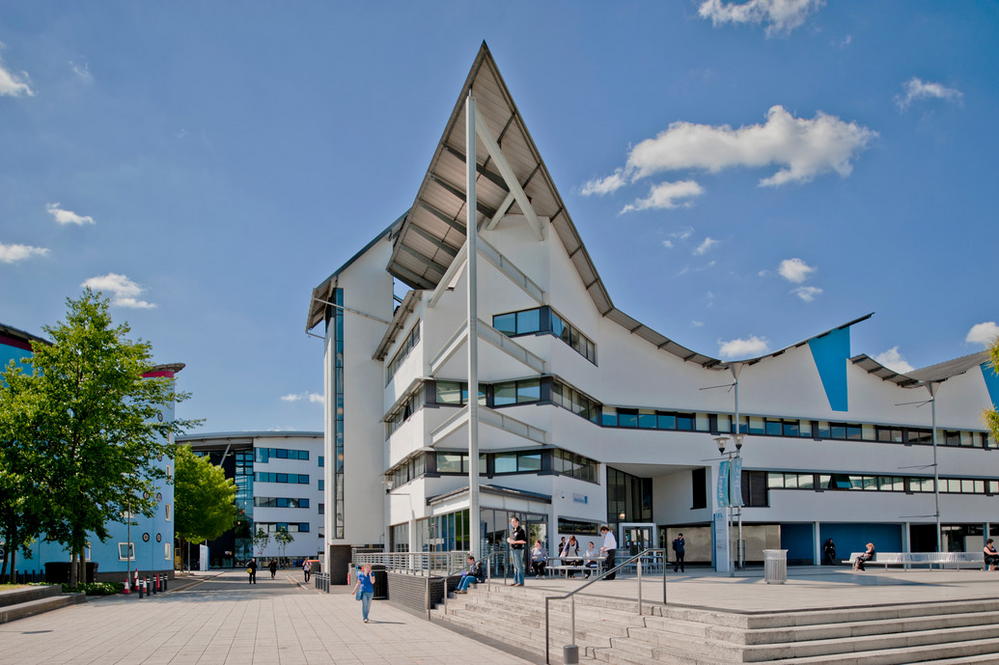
[{"x": 745, "y": 175}]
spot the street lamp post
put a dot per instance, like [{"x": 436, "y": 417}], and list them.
[{"x": 733, "y": 470}]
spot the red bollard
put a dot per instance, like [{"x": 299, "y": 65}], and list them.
[{"x": 158, "y": 583}]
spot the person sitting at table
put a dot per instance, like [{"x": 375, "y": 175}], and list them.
[
  {"x": 539, "y": 559},
  {"x": 991, "y": 555},
  {"x": 592, "y": 554},
  {"x": 570, "y": 555}
]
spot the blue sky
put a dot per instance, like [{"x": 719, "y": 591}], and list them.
[{"x": 745, "y": 175}]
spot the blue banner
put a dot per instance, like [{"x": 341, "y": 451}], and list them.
[{"x": 723, "y": 483}]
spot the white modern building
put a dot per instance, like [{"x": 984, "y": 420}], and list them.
[
  {"x": 586, "y": 416},
  {"x": 279, "y": 486}
]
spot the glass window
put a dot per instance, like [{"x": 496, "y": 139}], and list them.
[
  {"x": 448, "y": 392},
  {"x": 529, "y": 462},
  {"x": 449, "y": 462},
  {"x": 773, "y": 428},
  {"x": 505, "y": 462},
  {"x": 609, "y": 417},
  {"x": 666, "y": 421},
  {"x": 506, "y": 323},
  {"x": 528, "y": 321},
  {"x": 529, "y": 391},
  {"x": 504, "y": 393},
  {"x": 627, "y": 417},
  {"x": 790, "y": 428},
  {"x": 685, "y": 422},
  {"x": 647, "y": 419}
]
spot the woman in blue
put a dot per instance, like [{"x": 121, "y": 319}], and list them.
[{"x": 364, "y": 590}]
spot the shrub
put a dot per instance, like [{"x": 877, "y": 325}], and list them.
[{"x": 96, "y": 588}]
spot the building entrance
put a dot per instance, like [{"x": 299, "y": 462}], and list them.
[{"x": 633, "y": 537}]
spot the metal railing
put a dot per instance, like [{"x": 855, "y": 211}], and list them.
[
  {"x": 636, "y": 559},
  {"x": 412, "y": 563}
]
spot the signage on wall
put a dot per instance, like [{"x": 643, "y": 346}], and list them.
[{"x": 580, "y": 498}]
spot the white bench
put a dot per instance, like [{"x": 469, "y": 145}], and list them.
[
  {"x": 557, "y": 567},
  {"x": 906, "y": 559}
]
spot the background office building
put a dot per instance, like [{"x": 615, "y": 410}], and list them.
[
  {"x": 279, "y": 485},
  {"x": 587, "y": 416}
]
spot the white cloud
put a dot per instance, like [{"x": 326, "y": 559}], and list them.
[
  {"x": 807, "y": 293},
  {"x": 917, "y": 89},
  {"x": 82, "y": 70},
  {"x": 11, "y": 84},
  {"x": 15, "y": 253},
  {"x": 781, "y": 16},
  {"x": 67, "y": 216},
  {"x": 667, "y": 195},
  {"x": 743, "y": 348},
  {"x": 607, "y": 185},
  {"x": 311, "y": 397},
  {"x": 802, "y": 148},
  {"x": 795, "y": 270},
  {"x": 983, "y": 333},
  {"x": 705, "y": 246},
  {"x": 125, "y": 291},
  {"x": 697, "y": 324},
  {"x": 668, "y": 244},
  {"x": 892, "y": 359}
]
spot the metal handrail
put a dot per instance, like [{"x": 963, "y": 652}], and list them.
[
  {"x": 572, "y": 594},
  {"x": 487, "y": 558}
]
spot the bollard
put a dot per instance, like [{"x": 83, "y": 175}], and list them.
[
  {"x": 570, "y": 654},
  {"x": 158, "y": 589},
  {"x": 165, "y": 578},
  {"x": 138, "y": 586}
]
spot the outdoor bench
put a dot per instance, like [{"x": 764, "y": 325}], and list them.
[{"x": 906, "y": 559}]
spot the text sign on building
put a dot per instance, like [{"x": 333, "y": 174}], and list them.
[{"x": 580, "y": 498}]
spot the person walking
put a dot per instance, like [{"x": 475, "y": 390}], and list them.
[
  {"x": 251, "y": 569},
  {"x": 608, "y": 549},
  {"x": 306, "y": 569},
  {"x": 364, "y": 590},
  {"x": 680, "y": 548},
  {"x": 517, "y": 540}
]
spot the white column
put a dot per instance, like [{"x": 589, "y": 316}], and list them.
[{"x": 471, "y": 217}]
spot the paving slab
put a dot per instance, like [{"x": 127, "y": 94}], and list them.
[{"x": 221, "y": 619}]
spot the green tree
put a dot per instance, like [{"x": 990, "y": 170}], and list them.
[
  {"x": 90, "y": 419},
  {"x": 261, "y": 538},
  {"x": 283, "y": 539},
  {"x": 991, "y": 416},
  {"x": 21, "y": 497},
  {"x": 204, "y": 499}
]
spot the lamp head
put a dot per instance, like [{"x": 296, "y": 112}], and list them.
[
  {"x": 738, "y": 440},
  {"x": 720, "y": 441}
]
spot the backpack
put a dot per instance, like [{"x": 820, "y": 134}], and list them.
[{"x": 674, "y": 544}]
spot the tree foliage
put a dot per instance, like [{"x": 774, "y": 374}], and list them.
[
  {"x": 205, "y": 499},
  {"x": 991, "y": 416},
  {"x": 283, "y": 539},
  {"x": 90, "y": 419},
  {"x": 261, "y": 538}
]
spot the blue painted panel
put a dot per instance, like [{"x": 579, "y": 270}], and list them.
[
  {"x": 797, "y": 540},
  {"x": 992, "y": 384},
  {"x": 831, "y": 353},
  {"x": 854, "y": 537}
]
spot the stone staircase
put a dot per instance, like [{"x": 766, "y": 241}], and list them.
[
  {"x": 611, "y": 631},
  {"x": 29, "y": 601}
]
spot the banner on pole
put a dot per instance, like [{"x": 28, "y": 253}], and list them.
[
  {"x": 735, "y": 484},
  {"x": 723, "y": 484}
]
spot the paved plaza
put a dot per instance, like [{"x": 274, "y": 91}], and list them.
[
  {"x": 220, "y": 619},
  {"x": 223, "y": 620}
]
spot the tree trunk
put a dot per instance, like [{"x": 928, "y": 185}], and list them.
[{"x": 73, "y": 572}]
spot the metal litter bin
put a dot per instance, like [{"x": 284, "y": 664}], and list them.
[
  {"x": 379, "y": 581},
  {"x": 775, "y": 566}
]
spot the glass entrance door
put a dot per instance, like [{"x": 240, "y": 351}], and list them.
[{"x": 635, "y": 537}]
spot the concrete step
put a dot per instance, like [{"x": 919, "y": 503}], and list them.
[
  {"x": 24, "y": 594},
  {"x": 39, "y": 606},
  {"x": 953, "y": 652}
]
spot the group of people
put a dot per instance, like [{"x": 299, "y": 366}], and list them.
[
  {"x": 251, "y": 569},
  {"x": 568, "y": 552}
]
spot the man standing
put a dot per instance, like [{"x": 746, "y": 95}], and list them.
[
  {"x": 608, "y": 549},
  {"x": 517, "y": 540},
  {"x": 680, "y": 547}
]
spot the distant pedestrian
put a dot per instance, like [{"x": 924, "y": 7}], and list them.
[
  {"x": 829, "y": 552},
  {"x": 364, "y": 590},
  {"x": 680, "y": 548},
  {"x": 991, "y": 555},
  {"x": 306, "y": 569},
  {"x": 608, "y": 549},
  {"x": 517, "y": 541},
  {"x": 273, "y": 567},
  {"x": 251, "y": 569}
]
